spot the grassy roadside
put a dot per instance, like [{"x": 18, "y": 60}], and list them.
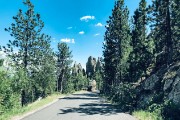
[
  {"x": 145, "y": 115},
  {"x": 17, "y": 112}
]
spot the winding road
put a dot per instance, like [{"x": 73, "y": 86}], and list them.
[{"x": 80, "y": 106}]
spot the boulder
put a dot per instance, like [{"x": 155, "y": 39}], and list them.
[
  {"x": 151, "y": 82},
  {"x": 161, "y": 86}
]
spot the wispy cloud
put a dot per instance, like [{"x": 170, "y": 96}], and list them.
[
  {"x": 81, "y": 32},
  {"x": 69, "y": 28},
  {"x": 68, "y": 40},
  {"x": 99, "y": 25},
  {"x": 97, "y": 34},
  {"x": 87, "y": 18}
]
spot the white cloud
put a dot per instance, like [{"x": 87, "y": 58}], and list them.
[
  {"x": 69, "y": 28},
  {"x": 81, "y": 33},
  {"x": 97, "y": 34},
  {"x": 87, "y": 18},
  {"x": 99, "y": 25},
  {"x": 68, "y": 40}
]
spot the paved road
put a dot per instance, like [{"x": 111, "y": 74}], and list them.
[{"x": 84, "y": 106}]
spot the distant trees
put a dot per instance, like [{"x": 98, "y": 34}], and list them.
[{"x": 64, "y": 62}]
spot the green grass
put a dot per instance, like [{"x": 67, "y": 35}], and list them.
[
  {"x": 16, "y": 112},
  {"x": 145, "y": 115}
]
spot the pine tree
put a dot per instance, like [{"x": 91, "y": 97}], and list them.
[
  {"x": 33, "y": 49},
  {"x": 116, "y": 47},
  {"x": 25, "y": 30},
  {"x": 64, "y": 64},
  {"x": 163, "y": 34},
  {"x": 140, "y": 57},
  {"x": 45, "y": 63}
]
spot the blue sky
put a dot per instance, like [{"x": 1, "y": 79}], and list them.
[{"x": 80, "y": 23}]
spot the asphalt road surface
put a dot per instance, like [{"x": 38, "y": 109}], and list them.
[{"x": 83, "y": 106}]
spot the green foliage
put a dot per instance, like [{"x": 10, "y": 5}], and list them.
[
  {"x": 170, "y": 111},
  {"x": 166, "y": 39},
  {"x": 1, "y": 62},
  {"x": 8, "y": 98},
  {"x": 30, "y": 64},
  {"x": 124, "y": 66},
  {"x": 26, "y": 32},
  {"x": 116, "y": 46},
  {"x": 141, "y": 56},
  {"x": 68, "y": 86},
  {"x": 19, "y": 111},
  {"x": 63, "y": 65},
  {"x": 99, "y": 79},
  {"x": 125, "y": 96},
  {"x": 146, "y": 115}
]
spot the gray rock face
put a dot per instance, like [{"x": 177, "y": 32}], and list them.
[
  {"x": 167, "y": 84},
  {"x": 99, "y": 65},
  {"x": 77, "y": 68},
  {"x": 93, "y": 66},
  {"x": 175, "y": 92},
  {"x": 164, "y": 86},
  {"x": 90, "y": 66},
  {"x": 151, "y": 82}
]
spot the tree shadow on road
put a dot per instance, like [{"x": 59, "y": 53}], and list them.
[
  {"x": 91, "y": 109},
  {"x": 97, "y": 107},
  {"x": 80, "y": 98},
  {"x": 87, "y": 94}
]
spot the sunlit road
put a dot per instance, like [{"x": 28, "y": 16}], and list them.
[{"x": 84, "y": 106}]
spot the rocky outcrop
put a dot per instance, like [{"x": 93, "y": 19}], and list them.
[
  {"x": 172, "y": 85},
  {"x": 90, "y": 66},
  {"x": 93, "y": 66},
  {"x": 77, "y": 68},
  {"x": 99, "y": 65},
  {"x": 161, "y": 86}
]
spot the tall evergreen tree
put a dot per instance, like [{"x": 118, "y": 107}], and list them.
[
  {"x": 116, "y": 47},
  {"x": 44, "y": 63},
  {"x": 63, "y": 64},
  {"x": 30, "y": 51},
  {"x": 140, "y": 57},
  {"x": 25, "y": 30},
  {"x": 161, "y": 17}
]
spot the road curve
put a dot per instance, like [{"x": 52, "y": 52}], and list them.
[{"x": 83, "y": 106}]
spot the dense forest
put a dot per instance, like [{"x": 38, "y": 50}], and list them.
[
  {"x": 136, "y": 50},
  {"x": 141, "y": 65}
]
